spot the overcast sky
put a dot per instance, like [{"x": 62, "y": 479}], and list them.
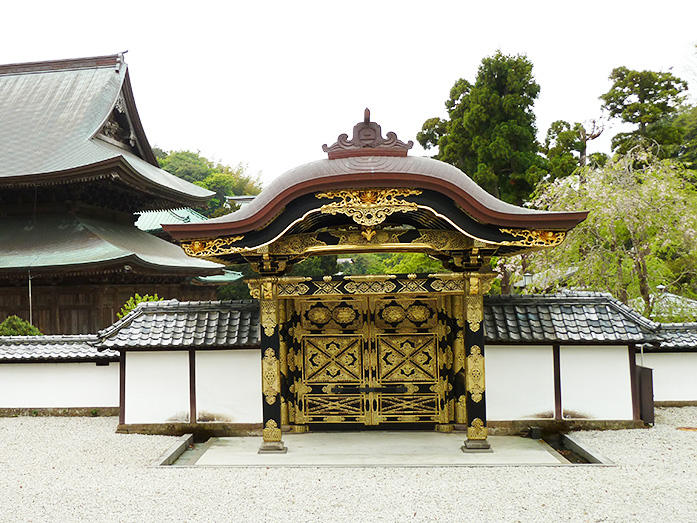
[{"x": 267, "y": 83}]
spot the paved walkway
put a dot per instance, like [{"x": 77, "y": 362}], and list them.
[{"x": 371, "y": 449}]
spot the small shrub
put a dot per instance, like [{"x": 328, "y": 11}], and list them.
[
  {"x": 133, "y": 302},
  {"x": 15, "y": 326}
]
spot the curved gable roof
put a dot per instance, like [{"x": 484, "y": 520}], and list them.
[
  {"x": 354, "y": 165},
  {"x": 52, "y": 114}
]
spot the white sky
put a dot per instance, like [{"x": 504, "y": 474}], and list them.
[{"x": 267, "y": 83}]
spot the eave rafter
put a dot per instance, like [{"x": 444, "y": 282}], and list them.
[{"x": 371, "y": 223}]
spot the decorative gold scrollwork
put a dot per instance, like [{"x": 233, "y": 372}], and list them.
[
  {"x": 476, "y": 430},
  {"x": 271, "y": 431},
  {"x": 368, "y": 206},
  {"x": 475, "y": 374},
  {"x": 292, "y": 289},
  {"x": 268, "y": 317},
  {"x": 210, "y": 248},
  {"x": 369, "y": 287},
  {"x": 367, "y": 236},
  {"x": 444, "y": 240},
  {"x": 475, "y": 312},
  {"x": 271, "y": 385},
  {"x": 534, "y": 238}
]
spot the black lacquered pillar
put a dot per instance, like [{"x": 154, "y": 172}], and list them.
[
  {"x": 475, "y": 393},
  {"x": 270, "y": 367}
]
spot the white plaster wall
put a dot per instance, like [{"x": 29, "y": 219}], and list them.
[
  {"x": 674, "y": 375},
  {"x": 58, "y": 385},
  {"x": 228, "y": 386},
  {"x": 595, "y": 382},
  {"x": 157, "y": 387},
  {"x": 519, "y": 382}
]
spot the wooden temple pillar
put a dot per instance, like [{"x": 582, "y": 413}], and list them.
[
  {"x": 477, "y": 284},
  {"x": 270, "y": 365}
]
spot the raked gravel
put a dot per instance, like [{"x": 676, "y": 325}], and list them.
[{"x": 78, "y": 469}]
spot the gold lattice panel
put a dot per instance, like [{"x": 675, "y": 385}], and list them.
[
  {"x": 406, "y": 408},
  {"x": 332, "y": 359},
  {"x": 407, "y": 358},
  {"x": 334, "y": 408}
]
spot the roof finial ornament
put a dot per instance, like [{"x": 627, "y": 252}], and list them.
[{"x": 367, "y": 141}]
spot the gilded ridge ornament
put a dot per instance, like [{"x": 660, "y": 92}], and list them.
[
  {"x": 367, "y": 140},
  {"x": 475, "y": 374},
  {"x": 534, "y": 238},
  {"x": 211, "y": 248},
  {"x": 368, "y": 206},
  {"x": 271, "y": 431}
]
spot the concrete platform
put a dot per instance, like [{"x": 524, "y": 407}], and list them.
[{"x": 371, "y": 449}]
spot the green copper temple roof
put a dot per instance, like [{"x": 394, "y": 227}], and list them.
[
  {"x": 64, "y": 241},
  {"x": 74, "y": 120}
]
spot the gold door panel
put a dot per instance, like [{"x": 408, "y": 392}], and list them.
[{"x": 369, "y": 360}]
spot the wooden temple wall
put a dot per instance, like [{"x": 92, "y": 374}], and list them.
[{"x": 86, "y": 309}]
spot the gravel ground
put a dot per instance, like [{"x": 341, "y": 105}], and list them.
[{"x": 78, "y": 469}]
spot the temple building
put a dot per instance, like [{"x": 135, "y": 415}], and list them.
[{"x": 75, "y": 165}]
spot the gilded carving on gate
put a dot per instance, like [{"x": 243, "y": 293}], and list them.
[
  {"x": 368, "y": 236},
  {"x": 475, "y": 312},
  {"x": 327, "y": 287},
  {"x": 369, "y": 287},
  {"x": 292, "y": 289},
  {"x": 534, "y": 238},
  {"x": 271, "y": 385},
  {"x": 211, "y": 248},
  {"x": 271, "y": 431},
  {"x": 476, "y": 430},
  {"x": 475, "y": 374},
  {"x": 368, "y": 206},
  {"x": 443, "y": 285},
  {"x": 444, "y": 240},
  {"x": 296, "y": 244},
  {"x": 268, "y": 317}
]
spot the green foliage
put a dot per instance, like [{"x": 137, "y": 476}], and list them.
[
  {"x": 238, "y": 290},
  {"x": 566, "y": 145},
  {"x": 685, "y": 120},
  {"x": 641, "y": 230},
  {"x": 133, "y": 302},
  {"x": 644, "y": 98},
  {"x": 387, "y": 263},
  {"x": 316, "y": 266},
  {"x": 15, "y": 326},
  {"x": 187, "y": 165},
  {"x": 490, "y": 133},
  {"x": 223, "y": 180}
]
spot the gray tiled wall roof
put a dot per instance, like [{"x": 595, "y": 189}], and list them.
[
  {"x": 579, "y": 317},
  {"x": 53, "y": 348},
  {"x": 675, "y": 337},
  {"x": 186, "y": 324}
]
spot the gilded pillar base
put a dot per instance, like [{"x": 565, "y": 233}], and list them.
[
  {"x": 272, "y": 447},
  {"x": 476, "y": 445}
]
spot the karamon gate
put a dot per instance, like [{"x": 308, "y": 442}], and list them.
[{"x": 373, "y": 350}]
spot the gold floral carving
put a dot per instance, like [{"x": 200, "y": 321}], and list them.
[
  {"x": 268, "y": 317},
  {"x": 271, "y": 384},
  {"x": 368, "y": 206},
  {"x": 441, "y": 387},
  {"x": 292, "y": 289},
  {"x": 475, "y": 374},
  {"x": 475, "y": 312},
  {"x": 301, "y": 389},
  {"x": 333, "y": 419},
  {"x": 367, "y": 236},
  {"x": 534, "y": 238},
  {"x": 327, "y": 287},
  {"x": 444, "y": 240},
  {"x": 295, "y": 244},
  {"x": 271, "y": 431},
  {"x": 369, "y": 287},
  {"x": 447, "y": 285},
  {"x": 215, "y": 247},
  {"x": 476, "y": 430},
  {"x": 411, "y": 388}
]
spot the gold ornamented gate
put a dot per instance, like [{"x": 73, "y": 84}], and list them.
[{"x": 371, "y": 360}]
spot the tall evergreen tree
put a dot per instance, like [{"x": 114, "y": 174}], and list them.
[
  {"x": 490, "y": 131},
  {"x": 644, "y": 98}
]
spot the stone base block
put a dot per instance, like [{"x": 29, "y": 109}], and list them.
[
  {"x": 476, "y": 445},
  {"x": 272, "y": 447}
]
